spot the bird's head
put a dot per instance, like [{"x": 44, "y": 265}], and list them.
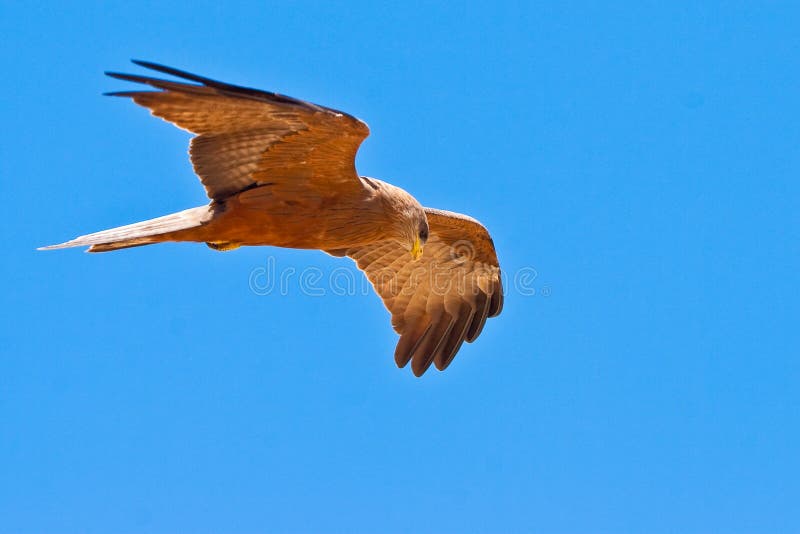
[
  {"x": 413, "y": 228},
  {"x": 409, "y": 222},
  {"x": 420, "y": 236}
]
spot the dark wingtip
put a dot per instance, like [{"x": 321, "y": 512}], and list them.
[
  {"x": 177, "y": 73},
  {"x": 401, "y": 361},
  {"x": 214, "y": 84},
  {"x": 150, "y": 64},
  {"x": 123, "y": 93},
  {"x": 156, "y": 66},
  {"x": 420, "y": 364},
  {"x": 496, "y": 305},
  {"x": 123, "y": 76}
]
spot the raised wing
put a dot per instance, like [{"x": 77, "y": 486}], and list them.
[
  {"x": 246, "y": 137},
  {"x": 441, "y": 300}
]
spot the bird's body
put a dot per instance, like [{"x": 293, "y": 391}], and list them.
[
  {"x": 266, "y": 215},
  {"x": 281, "y": 172}
]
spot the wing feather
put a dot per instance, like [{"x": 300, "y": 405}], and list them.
[
  {"x": 247, "y": 137},
  {"x": 441, "y": 300}
]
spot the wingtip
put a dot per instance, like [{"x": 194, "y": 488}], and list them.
[
  {"x": 116, "y": 75},
  {"x": 144, "y": 63},
  {"x": 178, "y": 73},
  {"x": 124, "y": 93},
  {"x": 420, "y": 366}
]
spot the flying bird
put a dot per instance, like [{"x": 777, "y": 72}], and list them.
[{"x": 281, "y": 172}]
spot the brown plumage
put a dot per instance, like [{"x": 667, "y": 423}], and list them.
[{"x": 281, "y": 172}]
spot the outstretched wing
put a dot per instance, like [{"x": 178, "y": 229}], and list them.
[
  {"x": 247, "y": 137},
  {"x": 441, "y": 300}
]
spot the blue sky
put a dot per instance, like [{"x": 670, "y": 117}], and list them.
[{"x": 640, "y": 158}]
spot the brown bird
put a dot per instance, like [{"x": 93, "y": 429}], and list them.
[{"x": 281, "y": 172}]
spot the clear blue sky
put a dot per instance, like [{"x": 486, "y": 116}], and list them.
[{"x": 642, "y": 158}]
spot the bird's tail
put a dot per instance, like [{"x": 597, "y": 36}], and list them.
[{"x": 173, "y": 227}]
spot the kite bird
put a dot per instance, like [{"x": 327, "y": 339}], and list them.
[{"x": 281, "y": 172}]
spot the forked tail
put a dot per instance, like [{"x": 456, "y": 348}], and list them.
[{"x": 166, "y": 228}]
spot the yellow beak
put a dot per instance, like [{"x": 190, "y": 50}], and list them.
[{"x": 416, "y": 250}]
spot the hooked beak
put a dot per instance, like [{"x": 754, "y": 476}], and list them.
[{"x": 416, "y": 250}]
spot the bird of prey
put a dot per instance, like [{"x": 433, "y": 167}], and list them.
[{"x": 281, "y": 172}]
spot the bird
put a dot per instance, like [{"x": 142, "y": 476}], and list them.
[{"x": 281, "y": 172}]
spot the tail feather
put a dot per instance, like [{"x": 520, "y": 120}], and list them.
[{"x": 141, "y": 233}]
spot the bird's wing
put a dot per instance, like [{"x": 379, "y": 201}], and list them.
[
  {"x": 246, "y": 137},
  {"x": 442, "y": 299}
]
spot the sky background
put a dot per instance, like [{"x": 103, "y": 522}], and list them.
[{"x": 637, "y": 162}]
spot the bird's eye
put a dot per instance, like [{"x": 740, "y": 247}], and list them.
[{"x": 423, "y": 234}]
